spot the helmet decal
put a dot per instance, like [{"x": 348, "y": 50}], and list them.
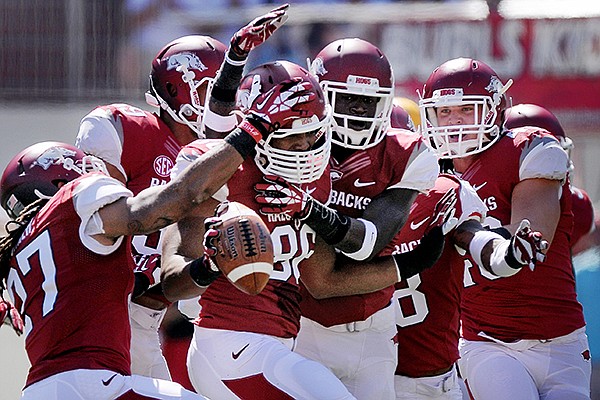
[{"x": 53, "y": 156}]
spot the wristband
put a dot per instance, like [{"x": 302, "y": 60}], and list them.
[
  {"x": 503, "y": 262},
  {"x": 201, "y": 274},
  {"x": 219, "y": 123},
  {"x": 368, "y": 243},
  {"x": 235, "y": 63},
  {"x": 480, "y": 239},
  {"x": 242, "y": 141}
]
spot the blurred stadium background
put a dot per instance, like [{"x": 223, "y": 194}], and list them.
[{"x": 61, "y": 58}]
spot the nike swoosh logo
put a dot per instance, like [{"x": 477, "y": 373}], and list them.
[
  {"x": 476, "y": 188},
  {"x": 107, "y": 382},
  {"x": 415, "y": 225},
  {"x": 262, "y": 104},
  {"x": 358, "y": 183},
  {"x": 236, "y": 355}
]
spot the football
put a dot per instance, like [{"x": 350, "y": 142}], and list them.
[{"x": 244, "y": 247}]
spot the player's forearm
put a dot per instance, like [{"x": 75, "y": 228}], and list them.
[
  {"x": 177, "y": 281},
  {"x": 353, "y": 278}
]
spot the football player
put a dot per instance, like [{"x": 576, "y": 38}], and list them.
[
  {"x": 376, "y": 175},
  {"x": 140, "y": 148},
  {"x": 583, "y": 209},
  {"x": 523, "y": 336},
  {"x": 66, "y": 262},
  {"x": 242, "y": 344}
]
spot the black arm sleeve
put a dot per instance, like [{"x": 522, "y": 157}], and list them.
[{"x": 424, "y": 256}]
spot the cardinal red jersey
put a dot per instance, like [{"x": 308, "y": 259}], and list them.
[
  {"x": 583, "y": 214},
  {"x": 401, "y": 160},
  {"x": 274, "y": 311},
  {"x": 528, "y": 305},
  {"x": 72, "y": 291},
  {"x": 142, "y": 147},
  {"x": 428, "y": 304}
]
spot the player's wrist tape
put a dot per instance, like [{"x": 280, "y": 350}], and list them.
[
  {"x": 368, "y": 244},
  {"x": 202, "y": 274},
  {"x": 244, "y": 138},
  {"x": 424, "y": 256},
  {"x": 234, "y": 58},
  {"x": 219, "y": 123},
  {"x": 503, "y": 261},
  {"x": 327, "y": 223},
  {"x": 498, "y": 264}
]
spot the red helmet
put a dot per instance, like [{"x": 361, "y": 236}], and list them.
[
  {"x": 354, "y": 66},
  {"x": 463, "y": 81},
  {"x": 35, "y": 173},
  {"x": 182, "y": 74},
  {"x": 534, "y": 115},
  {"x": 294, "y": 166}
]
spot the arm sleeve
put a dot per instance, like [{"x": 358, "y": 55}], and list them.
[{"x": 90, "y": 195}]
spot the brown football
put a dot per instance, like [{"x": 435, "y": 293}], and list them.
[{"x": 245, "y": 249}]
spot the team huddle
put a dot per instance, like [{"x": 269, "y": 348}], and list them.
[{"x": 423, "y": 257}]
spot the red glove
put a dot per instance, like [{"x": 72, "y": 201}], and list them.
[
  {"x": 444, "y": 213},
  {"x": 10, "y": 316},
  {"x": 258, "y": 31},
  {"x": 527, "y": 247},
  {"x": 276, "y": 195}
]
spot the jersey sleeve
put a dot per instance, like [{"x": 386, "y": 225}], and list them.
[
  {"x": 543, "y": 158},
  {"x": 421, "y": 171},
  {"x": 99, "y": 135},
  {"x": 186, "y": 156},
  {"x": 90, "y": 195}
]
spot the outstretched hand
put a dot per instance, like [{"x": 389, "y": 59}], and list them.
[
  {"x": 527, "y": 246},
  {"x": 258, "y": 31},
  {"x": 444, "y": 213}
]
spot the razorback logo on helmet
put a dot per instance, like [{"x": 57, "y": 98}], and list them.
[
  {"x": 317, "y": 67},
  {"x": 362, "y": 80},
  {"x": 53, "y": 156},
  {"x": 191, "y": 61},
  {"x": 495, "y": 85},
  {"x": 163, "y": 166}
]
